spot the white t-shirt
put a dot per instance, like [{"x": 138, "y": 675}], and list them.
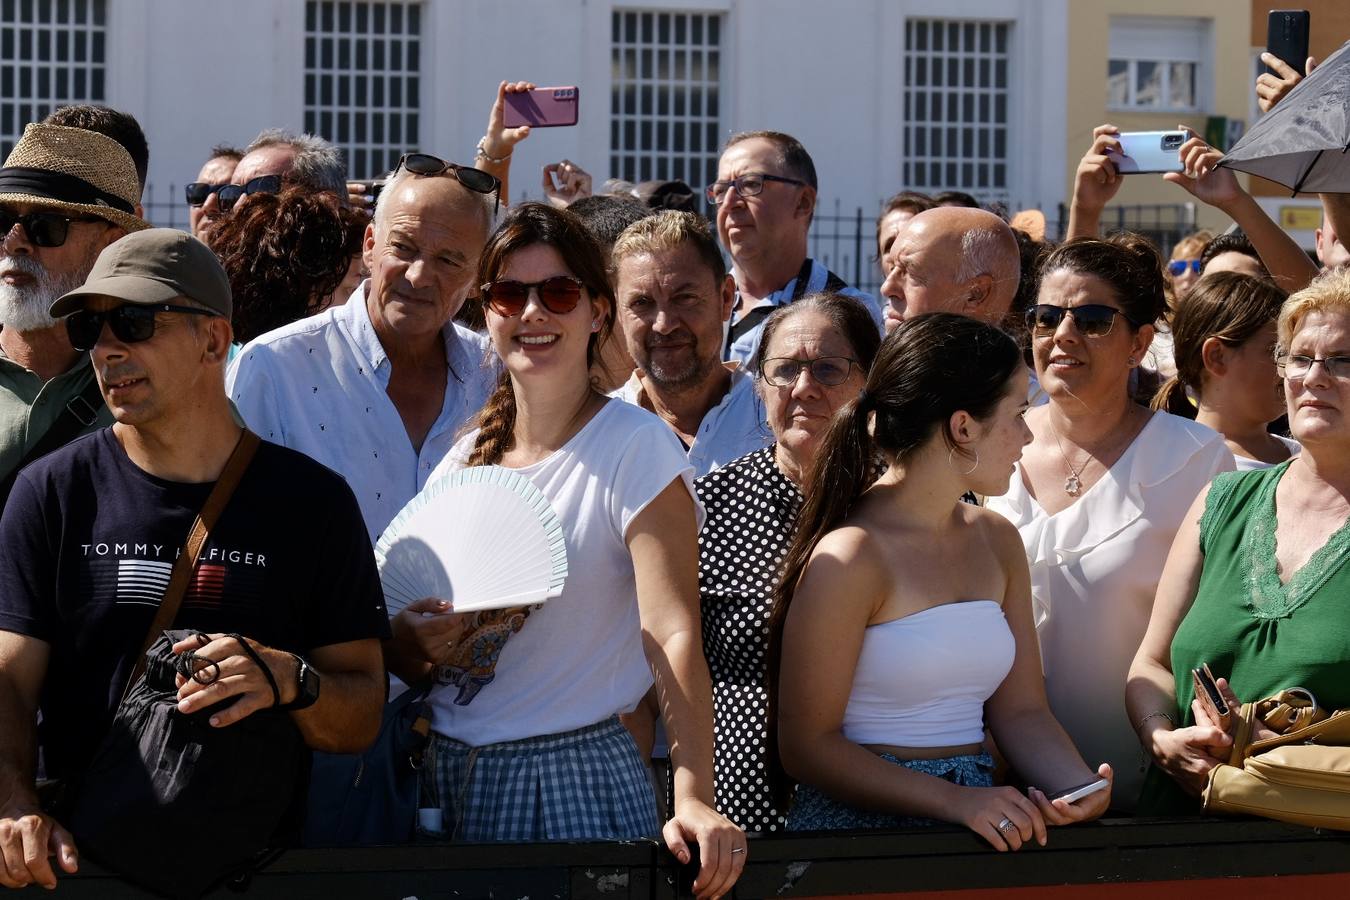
[
  {"x": 578, "y": 659},
  {"x": 1246, "y": 463}
]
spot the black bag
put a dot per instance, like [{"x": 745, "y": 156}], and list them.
[
  {"x": 176, "y": 805},
  {"x": 371, "y": 798}
]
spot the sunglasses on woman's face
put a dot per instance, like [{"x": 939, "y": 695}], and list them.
[
  {"x": 130, "y": 324},
  {"x": 230, "y": 194},
  {"x": 1178, "y": 266},
  {"x": 559, "y": 294},
  {"x": 1091, "y": 319}
]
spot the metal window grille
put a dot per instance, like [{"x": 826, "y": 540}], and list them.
[
  {"x": 52, "y": 53},
  {"x": 665, "y": 105},
  {"x": 362, "y": 79},
  {"x": 956, "y": 107}
]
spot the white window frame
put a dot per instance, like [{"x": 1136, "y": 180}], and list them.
[
  {"x": 937, "y": 127},
  {"x": 693, "y": 70},
  {"x": 365, "y": 156},
  {"x": 22, "y": 26},
  {"x": 1162, "y": 40}
]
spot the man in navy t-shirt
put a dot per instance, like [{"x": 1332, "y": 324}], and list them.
[{"x": 90, "y": 534}]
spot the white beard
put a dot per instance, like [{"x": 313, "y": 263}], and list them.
[{"x": 25, "y": 308}]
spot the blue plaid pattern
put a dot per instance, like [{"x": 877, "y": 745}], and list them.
[
  {"x": 579, "y": 785},
  {"x": 813, "y": 811}
]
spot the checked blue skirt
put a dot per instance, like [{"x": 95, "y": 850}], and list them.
[{"x": 577, "y": 785}]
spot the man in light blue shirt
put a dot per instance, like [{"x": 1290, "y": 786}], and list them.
[
  {"x": 765, "y": 196},
  {"x": 379, "y": 388},
  {"x": 673, "y": 294}
]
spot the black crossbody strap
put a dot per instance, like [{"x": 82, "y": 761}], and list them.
[
  {"x": 79, "y": 413},
  {"x": 183, "y": 567}
]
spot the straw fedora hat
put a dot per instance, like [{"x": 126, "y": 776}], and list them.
[{"x": 75, "y": 171}]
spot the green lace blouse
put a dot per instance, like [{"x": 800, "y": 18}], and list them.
[{"x": 1260, "y": 633}]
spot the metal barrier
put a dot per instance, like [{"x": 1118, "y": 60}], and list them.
[{"x": 1197, "y": 859}]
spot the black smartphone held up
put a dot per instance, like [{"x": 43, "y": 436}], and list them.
[
  {"x": 1287, "y": 37},
  {"x": 1207, "y": 692}
]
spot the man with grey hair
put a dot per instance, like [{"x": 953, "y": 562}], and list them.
[
  {"x": 378, "y": 387},
  {"x": 951, "y": 259},
  {"x": 294, "y": 159},
  {"x": 65, "y": 194}
]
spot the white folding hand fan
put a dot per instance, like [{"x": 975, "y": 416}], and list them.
[{"x": 481, "y": 538}]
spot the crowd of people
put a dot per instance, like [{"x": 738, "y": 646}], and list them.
[{"x": 834, "y": 560}]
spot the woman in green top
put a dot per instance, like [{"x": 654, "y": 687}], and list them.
[{"x": 1257, "y": 583}]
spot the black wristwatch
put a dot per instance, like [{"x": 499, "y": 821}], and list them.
[{"x": 306, "y": 685}]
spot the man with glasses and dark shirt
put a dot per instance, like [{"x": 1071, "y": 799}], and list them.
[
  {"x": 65, "y": 194},
  {"x": 765, "y": 196},
  {"x": 377, "y": 388},
  {"x": 285, "y": 589}
]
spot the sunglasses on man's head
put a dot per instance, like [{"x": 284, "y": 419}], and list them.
[
  {"x": 43, "y": 229},
  {"x": 475, "y": 180},
  {"x": 230, "y": 194},
  {"x": 559, "y": 294},
  {"x": 1091, "y": 319},
  {"x": 1178, "y": 266},
  {"x": 130, "y": 324},
  {"x": 198, "y": 191}
]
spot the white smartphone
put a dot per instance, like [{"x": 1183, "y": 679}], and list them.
[
  {"x": 1148, "y": 151},
  {"x": 1078, "y": 792}
]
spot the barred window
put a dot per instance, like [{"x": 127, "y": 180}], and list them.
[
  {"x": 52, "y": 54},
  {"x": 665, "y": 106},
  {"x": 956, "y": 107},
  {"x": 362, "y": 79}
]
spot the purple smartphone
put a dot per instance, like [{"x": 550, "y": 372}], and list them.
[{"x": 546, "y": 107}]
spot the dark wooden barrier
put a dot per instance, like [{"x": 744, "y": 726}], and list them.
[{"x": 1108, "y": 859}]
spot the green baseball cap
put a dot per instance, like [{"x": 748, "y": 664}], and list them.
[{"x": 150, "y": 267}]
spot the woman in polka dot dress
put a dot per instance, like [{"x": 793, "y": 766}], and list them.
[{"x": 812, "y": 359}]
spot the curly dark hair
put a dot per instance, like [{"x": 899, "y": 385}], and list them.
[{"x": 285, "y": 255}]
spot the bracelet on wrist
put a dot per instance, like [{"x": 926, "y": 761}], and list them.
[
  {"x": 480, "y": 152},
  {"x": 1154, "y": 715}
]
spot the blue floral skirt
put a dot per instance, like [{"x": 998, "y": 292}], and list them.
[{"x": 814, "y": 811}]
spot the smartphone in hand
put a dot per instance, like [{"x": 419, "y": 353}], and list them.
[
  {"x": 547, "y": 107},
  {"x": 1287, "y": 37},
  {"x": 1148, "y": 151},
  {"x": 1079, "y": 791},
  {"x": 1211, "y": 701}
]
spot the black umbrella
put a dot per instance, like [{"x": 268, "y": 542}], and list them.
[{"x": 1302, "y": 143}]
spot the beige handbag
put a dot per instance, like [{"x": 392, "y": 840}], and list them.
[{"x": 1301, "y": 776}]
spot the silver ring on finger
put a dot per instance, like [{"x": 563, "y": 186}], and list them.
[
  {"x": 1005, "y": 825},
  {"x": 738, "y": 850}
]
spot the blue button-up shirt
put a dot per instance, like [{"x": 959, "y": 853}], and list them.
[{"x": 320, "y": 385}]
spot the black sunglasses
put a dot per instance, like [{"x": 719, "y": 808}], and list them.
[
  {"x": 130, "y": 324},
  {"x": 559, "y": 294},
  {"x": 475, "y": 180},
  {"x": 1092, "y": 319},
  {"x": 44, "y": 229},
  {"x": 230, "y": 194},
  {"x": 198, "y": 191}
]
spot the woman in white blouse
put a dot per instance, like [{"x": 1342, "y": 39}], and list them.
[
  {"x": 1225, "y": 357},
  {"x": 1099, "y": 494}
]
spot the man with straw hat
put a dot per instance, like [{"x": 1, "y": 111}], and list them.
[{"x": 65, "y": 194}]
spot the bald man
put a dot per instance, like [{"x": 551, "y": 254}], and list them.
[{"x": 951, "y": 259}]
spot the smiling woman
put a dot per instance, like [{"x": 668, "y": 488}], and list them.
[
  {"x": 1099, "y": 495},
  {"x": 554, "y": 679}
]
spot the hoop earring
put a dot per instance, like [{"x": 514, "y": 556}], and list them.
[{"x": 951, "y": 452}]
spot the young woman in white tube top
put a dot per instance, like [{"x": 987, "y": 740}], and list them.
[{"x": 903, "y": 623}]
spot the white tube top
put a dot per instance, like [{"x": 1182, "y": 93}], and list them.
[{"x": 922, "y": 679}]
